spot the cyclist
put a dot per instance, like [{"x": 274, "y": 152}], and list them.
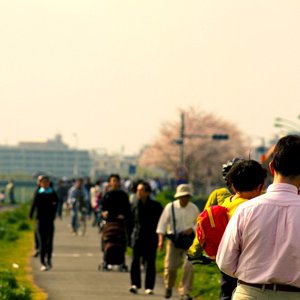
[
  {"x": 78, "y": 200},
  {"x": 217, "y": 197}
]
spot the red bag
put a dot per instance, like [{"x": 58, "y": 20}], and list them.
[{"x": 211, "y": 224}]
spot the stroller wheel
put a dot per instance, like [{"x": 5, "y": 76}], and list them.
[{"x": 104, "y": 267}]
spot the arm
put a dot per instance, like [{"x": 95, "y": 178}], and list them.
[
  {"x": 160, "y": 241},
  {"x": 161, "y": 227},
  {"x": 229, "y": 248}
]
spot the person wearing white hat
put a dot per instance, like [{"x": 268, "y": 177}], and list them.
[{"x": 183, "y": 214}]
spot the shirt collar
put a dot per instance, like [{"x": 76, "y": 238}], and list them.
[{"x": 282, "y": 187}]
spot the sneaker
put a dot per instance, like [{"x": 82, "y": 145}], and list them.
[
  {"x": 36, "y": 253},
  {"x": 133, "y": 289},
  {"x": 49, "y": 264},
  {"x": 43, "y": 268},
  {"x": 149, "y": 292},
  {"x": 168, "y": 293}
]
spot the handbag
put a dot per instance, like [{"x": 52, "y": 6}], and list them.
[{"x": 180, "y": 240}]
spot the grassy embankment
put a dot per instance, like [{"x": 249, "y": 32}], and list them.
[
  {"x": 15, "y": 250},
  {"x": 206, "y": 277}
]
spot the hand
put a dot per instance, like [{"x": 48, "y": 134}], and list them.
[
  {"x": 105, "y": 214},
  {"x": 160, "y": 246}
]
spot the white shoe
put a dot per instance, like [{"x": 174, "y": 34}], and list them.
[
  {"x": 133, "y": 289},
  {"x": 149, "y": 292},
  {"x": 43, "y": 268}
]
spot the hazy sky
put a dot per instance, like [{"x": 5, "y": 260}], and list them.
[{"x": 112, "y": 71}]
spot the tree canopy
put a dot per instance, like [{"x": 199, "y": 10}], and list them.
[{"x": 203, "y": 155}]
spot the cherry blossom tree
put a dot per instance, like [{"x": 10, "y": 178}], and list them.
[{"x": 203, "y": 155}]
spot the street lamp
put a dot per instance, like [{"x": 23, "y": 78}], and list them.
[{"x": 287, "y": 124}]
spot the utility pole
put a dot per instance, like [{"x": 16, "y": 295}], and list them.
[
  {"x": 181, "y": 139},
  {"x": 183, "y": 136}
]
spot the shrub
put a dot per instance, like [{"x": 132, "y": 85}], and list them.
[
  {"x": 23, "y": 226},
  {"x": 9, "y": 289}
]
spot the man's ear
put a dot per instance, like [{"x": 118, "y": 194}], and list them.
[{"x": 271, "y": 167}]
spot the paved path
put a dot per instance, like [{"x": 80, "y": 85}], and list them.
[{"x": 75, "y": 274}]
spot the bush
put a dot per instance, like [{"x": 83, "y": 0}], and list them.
[
  {"x": 23, "y": 226},
  {"x": 9, "y": 289},
  {"x": 12, "y": 222}
]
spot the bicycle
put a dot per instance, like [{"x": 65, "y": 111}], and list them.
[{"x": 81, "y": 220}]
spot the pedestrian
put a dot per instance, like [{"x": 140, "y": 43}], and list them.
[
  {"x": 115, "y": 202},
  {"x": 62, "y": 194},
  {"x": 10, "y": 189},
  {"x": 95, "y": 196},
  {"x": 78, "y": 201},
  {"x": 260, "y": 246},
  {"x": 116, "y": 213},
  {"x": 247, "y": 179},
  {"x": 218, "y": 196},
  {"x": 45, "y": 205},
  {"x": 185, "y": 215},
  {"x": 37, "y": 243},
  {"x": 144, "y": 239}
]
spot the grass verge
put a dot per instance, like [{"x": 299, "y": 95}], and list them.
[{"x": 16, "y": 240}]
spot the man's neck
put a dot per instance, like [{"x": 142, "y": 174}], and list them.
[{"x": 295, "y": 180}]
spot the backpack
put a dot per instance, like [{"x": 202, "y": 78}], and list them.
[{"x": 211, "y": 224}]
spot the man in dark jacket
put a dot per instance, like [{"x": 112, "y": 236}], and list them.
[
  {"x": 45, "y": 203},
  {"x": 144, "y": 239},
  {"x": 115, "y": 203}
]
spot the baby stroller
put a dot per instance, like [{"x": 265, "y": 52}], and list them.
[{"x": 113, "y": 243}]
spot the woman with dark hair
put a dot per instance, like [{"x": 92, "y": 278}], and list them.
[{"x": 45, "y": 204}]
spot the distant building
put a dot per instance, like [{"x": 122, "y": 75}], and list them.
[
  {"x": 105, "y": 164},
  {"x": 51, "y": 157}
]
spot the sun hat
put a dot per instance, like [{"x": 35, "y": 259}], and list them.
[{"x": 183, "y": 190}]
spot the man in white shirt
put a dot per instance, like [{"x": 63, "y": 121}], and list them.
[
  {"x": 185, "y": 214},
  {"x": 260, "y": 245}
]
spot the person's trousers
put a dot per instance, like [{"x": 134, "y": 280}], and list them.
[
  {"x": 148, "y": 255},
  {"x": 74, "y": 224},
  {"x": 37, "y": 243},
  {"x": 245, "y": 292},
  {"x": 173, "y": 259},
  {"x": 228, "y": 284},
  {"x": 46, "y": 233}
]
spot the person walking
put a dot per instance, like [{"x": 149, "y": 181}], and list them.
[
  {"x": 115, "y": 203},
  {"x": 185, "y": 215},
  {"x": 45, "y": 204},
  {"x": 10, "y": 188},
  {"x": 260, "y": 246},
  {"x": 144, "y": 240}
]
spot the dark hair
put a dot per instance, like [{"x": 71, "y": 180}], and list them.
[
  {"x": 117, "y": 176},
  {"x": 286, "y": 156},
  {"x": 246, "y": 175},
  {"x": 135, "y": 184},
  {"x": 45, "y": 177},
  {"x": 146, "y": 186}
]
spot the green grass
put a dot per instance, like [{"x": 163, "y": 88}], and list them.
[{"x": 16, "y": 241}]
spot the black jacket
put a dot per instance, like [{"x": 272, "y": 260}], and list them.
[
  {"x": 46, "y": 205},
  {"x": 145, "y": 220}
]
